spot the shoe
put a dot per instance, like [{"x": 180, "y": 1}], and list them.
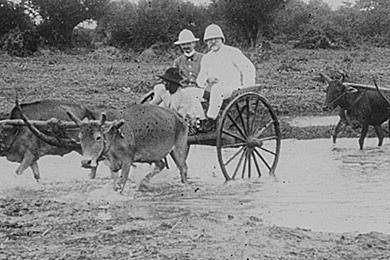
[
  {"x": 207, "y": 125},
  {"x": 193, "y": 126}
]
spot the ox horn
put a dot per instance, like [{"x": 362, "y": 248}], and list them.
[
  {"x": 119, "y": 124},
  {"x": 46, "y": 138},
  {"x": 380, "y": 92},
  {"x": 343, "y": 75},
  {"x": 326, "y": 77},
  {"x": 103, "y": 118},
  {"x": 74, "y": 118}
]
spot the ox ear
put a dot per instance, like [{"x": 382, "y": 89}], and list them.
[
  {"x": 103, "y": 118},
  {"x": 352, "y": 89},
  {"x": 119, "y": 124},
  {"x": 74, "y": 118}
]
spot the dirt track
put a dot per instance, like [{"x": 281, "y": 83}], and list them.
[{"x": 68, "y": 216}]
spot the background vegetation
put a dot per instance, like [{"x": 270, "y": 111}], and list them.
[{"x": 31, "y": 24}]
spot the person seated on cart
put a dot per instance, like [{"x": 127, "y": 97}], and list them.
[
  {"x": 222, "y": 70},
  {"x": 183, "y": 96}
]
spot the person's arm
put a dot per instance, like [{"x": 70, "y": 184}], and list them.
[
  {"x": 201, "y": 80},
  {"x": 176, "y": 63},
  {"x": 246, "y": 68},
  {"x": 157, "y": 97},
  {"x": 185, "y": 105}
]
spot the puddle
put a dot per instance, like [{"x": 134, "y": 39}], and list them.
[
  {"x": 305, "y": 121},
  {"x": 321, "y": 186}
]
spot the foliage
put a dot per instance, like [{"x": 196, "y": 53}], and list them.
[
  {"x": 141, "y": 25},
  {"x": 21, "y": 43},
  {"x": 60, "y": 17},
  {"x": 116, "y": 27},
  {"x": 292, "y": 20},
  {"x": 12, "y": 16},
  {"x": 83, "y": 37},
  {"x": 251, "y": 17},
  {"x": 375, "y": 20}
]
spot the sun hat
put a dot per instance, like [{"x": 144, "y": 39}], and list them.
[
  {"x": 172, "y": 75},
  {"x": 213, "y": 31},
  {"x": 186, "y": 36}
]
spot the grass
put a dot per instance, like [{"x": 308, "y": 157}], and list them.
[{"x": 111, "y": 78}]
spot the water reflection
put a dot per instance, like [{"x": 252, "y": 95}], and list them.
[{"x": 331, "y": 188}]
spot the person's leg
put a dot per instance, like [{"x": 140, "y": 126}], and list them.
[
  {"x": 196, "y": 109},
  {"x": 217, "y": 94}
]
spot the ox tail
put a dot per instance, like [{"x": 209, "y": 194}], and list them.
[{"x": 381, "y": 94}]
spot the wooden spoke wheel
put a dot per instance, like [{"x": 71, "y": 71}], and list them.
[
  {"x": 248, "y": 138},
  {"x": 147, "y": 97}
]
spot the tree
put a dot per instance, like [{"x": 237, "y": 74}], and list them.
[
  {"x": 140, "y": 25},
  {"x": 117, "y": 26},
  {"x": 252, "y": 18},
  {"x": 13, "y": 16},
  {"x": 290, "y": 21},
  {"x": 375, "y": 19},
  {"x": 60, "y": 17},
  {"x": 162, "y": 20}
]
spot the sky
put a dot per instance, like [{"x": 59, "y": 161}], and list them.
[{"x": 332, "y": 3}]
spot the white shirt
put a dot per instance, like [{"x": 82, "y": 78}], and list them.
[
  {"x": 179, "y": 101},
  {"x": 230, "y": 66}
]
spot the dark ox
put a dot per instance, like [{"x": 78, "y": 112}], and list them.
[
  {"x": 360, "y": 102},
  {"x": 139, "y": 133},
  {"x": 19, "y": 144}
]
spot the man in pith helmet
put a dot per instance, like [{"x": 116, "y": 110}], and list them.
[
  {"x": 188, "y": 65},
  {"x": 222, "y": 70}
]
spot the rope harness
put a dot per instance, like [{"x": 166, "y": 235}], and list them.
[
  {"x": 354, "y": 102},
  {"x": 106, "y": 148}
]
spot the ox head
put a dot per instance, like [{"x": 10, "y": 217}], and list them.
[
  {"x": 96, "y": 138},
  {"x": 335, "y": 92},
  {"x": 7, "y": 136}
]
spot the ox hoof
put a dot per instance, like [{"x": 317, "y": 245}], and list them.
[
  {"x": 144, "y": 186},
  {"x": 118, "y": 188}
]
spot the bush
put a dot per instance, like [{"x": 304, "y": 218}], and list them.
[
  {"x": 12, "y": 16},
  {"x": 83, "y": 37},
  {"x": 21, "y": 43}
]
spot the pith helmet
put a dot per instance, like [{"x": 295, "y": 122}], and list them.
[
  {"x": 172, "y": 75},
  {"x": 213, "y": 31},
  {"x": 186, "y": 36}
]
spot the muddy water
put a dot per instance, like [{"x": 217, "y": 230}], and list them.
[
  {"x": 303, "y": 121},
  {"x": 320, "y": 186}
]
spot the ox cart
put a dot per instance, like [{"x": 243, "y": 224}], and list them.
[{"x": 247, "y": 135}]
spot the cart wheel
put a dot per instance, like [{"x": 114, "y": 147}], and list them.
[
  {"x": 248, "y": 138},
  {"x": 147, "y": 97}
]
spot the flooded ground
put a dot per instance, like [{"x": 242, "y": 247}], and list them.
[
  {"x": 303, "y": 121},
  {"x": 320, "y": 188}
]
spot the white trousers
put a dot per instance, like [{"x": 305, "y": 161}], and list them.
[
  {"x": 186, "y": 101},
  {"x": 218, "y": 93},
  {"x": 196, "y": 94}
]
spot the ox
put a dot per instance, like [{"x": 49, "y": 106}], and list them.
[
  {"x": 363, "y": 103},
  {"x": 139, "y": 133},
  {"x": 19, "y": 144}
]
